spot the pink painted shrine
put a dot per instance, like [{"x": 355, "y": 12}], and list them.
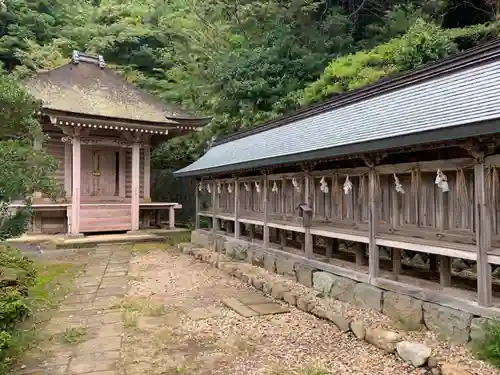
[{"x": 101, "y": 129}]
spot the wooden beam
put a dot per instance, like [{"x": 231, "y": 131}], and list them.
[
  {"x": 282, "y": 238},
  {"x": 359, "y": 250},
  {"x": 483, "y": 236},
  {"x": 444, "y": 270},
  {"x": 396, "y": 261},
  {"x": 171, "y": 217},
  {"x": 395, "y": 223},
  {"x": 251, "y": 231},
  {"x": 283, "y": 197},
  {"x": 373, "y": 264},
  {"x": 308, "y": 242},
  {"x": 265, "y": 198},
  {"x": 214, "y": 209},
  {"x": 197, "y": 208},
  {"x": 237, "y": 226},
  {"x": 330, "y": 242}
]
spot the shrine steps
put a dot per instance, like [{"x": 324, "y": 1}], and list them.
[{"x": 105, "y": 218}]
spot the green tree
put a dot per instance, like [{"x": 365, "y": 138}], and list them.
[{"x": 25, "y": 170}]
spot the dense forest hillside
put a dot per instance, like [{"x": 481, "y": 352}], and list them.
[{"x": 242, "y": 61}]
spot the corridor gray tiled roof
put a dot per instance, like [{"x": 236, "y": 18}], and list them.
[{"x": 443, "y": 103}]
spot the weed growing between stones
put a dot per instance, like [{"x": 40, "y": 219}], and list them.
[
  {"x": 139, "y": 305},
  {"x": 130, "y": 319},
  {"x": 146, "y": 247},
  {"x": 488, "y": 347},
  {"x": 177, "y": 237},
  {"x": 73, "y": 336}
]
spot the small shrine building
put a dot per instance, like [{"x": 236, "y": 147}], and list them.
[{"x": 100, "y": 130}]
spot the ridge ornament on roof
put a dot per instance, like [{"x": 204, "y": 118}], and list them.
[{"x": 77, "y": 57}]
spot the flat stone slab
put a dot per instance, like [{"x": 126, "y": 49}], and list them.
[
  {"x": 253, "y": 299},
  {"x": 269, "y": 308},
  {"x": 201, "y": 313},
  {"x": 254, "y": 305},
  {"x": 240, "y": 308}
]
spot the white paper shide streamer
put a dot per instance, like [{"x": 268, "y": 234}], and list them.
[
  {"x": 399, "y": 187},
  {"x": 257, "y": 187},
  {"x": 275, "y": 188},
  {"x": 229, "y": 188},
  {"x": 208, "y": 188},
  {"x": 219, "y": 189},
  {"x": 347, "y": 186},
  {"x": 296, "y": 185},
  {"x": 323, "y": 185},
  {"x": 200, "y": 187},
  {"x": 247, "y": 187},
  {"x": 442, "y": 181}
]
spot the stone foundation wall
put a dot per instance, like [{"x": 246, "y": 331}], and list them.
[{"x": 458, "y": 326}]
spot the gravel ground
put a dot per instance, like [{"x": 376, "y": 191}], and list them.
[{"x": 196, "y": 334}]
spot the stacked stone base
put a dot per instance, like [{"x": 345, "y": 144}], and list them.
[{"x": 238, "y": 257}]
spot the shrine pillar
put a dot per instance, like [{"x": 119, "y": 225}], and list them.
[
  {"x": 75, "y": 196},
  {"x": 147, "y": 173},
  {"x": 136, "y": 180}
]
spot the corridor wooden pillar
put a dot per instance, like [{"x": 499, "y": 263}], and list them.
[
  {"x": 237, "y": 227},
  {"x": 197, "y": 207},
  {"x": 483, "y": 235},
  {"x": 265, "y": 233}
]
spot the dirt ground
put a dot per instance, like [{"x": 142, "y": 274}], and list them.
[{"x": 159, "y": 312}]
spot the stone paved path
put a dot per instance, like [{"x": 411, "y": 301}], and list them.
[
  {"x": 84, "y": 336},
  {"x": 162, "y": 313}
]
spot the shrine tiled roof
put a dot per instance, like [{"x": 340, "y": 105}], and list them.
[
  {"x": 452, "y": 99},
  {"x": 86, "y": 86}
]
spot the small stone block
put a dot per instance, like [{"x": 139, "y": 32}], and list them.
[
  {"x": 253, "y": 299},
  {"x": 240, "y": 308},
  {"x": 269, "y": 308},
  {"x": 290, "y": 298},
  {"x": 94, "y": 362}
]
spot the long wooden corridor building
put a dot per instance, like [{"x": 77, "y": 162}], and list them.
[{"x": 393, "y": 185}]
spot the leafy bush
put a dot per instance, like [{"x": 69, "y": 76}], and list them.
[
  {"x": 17, "y": 275},
  {"x": 424, "y": 42},
  {"x": 488, "y": 347}
]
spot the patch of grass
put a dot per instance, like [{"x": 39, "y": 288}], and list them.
[
  {"x": 48, "y": 284},
  {"x": 176, "y": 238},
  {"x": 130, "y": 319},
  {"x": 52, "y": 282},
  {"x": 135, "y": 277},
  {"x": 146, "y": 247},
  {"x": 313, "y": 370},
  {"x": 488, "y": 347},
  {"x": 73, "y": 335},
  {"x": 139, "y": 305}
]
